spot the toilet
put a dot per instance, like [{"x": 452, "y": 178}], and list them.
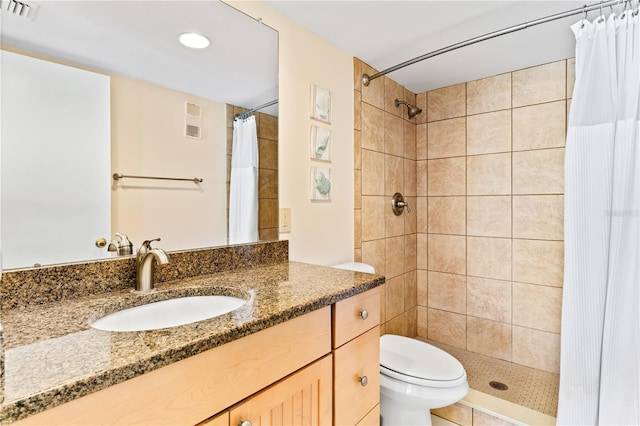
[
  {"x": 416, "y": 377},
  {"x": 356, "y": 266}
]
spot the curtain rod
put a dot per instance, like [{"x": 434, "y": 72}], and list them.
[
  {"x": 246, "y": 114},
  {"x": 367, "y": 78}
]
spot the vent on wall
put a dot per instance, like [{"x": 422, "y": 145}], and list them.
[
  {"x": 19, "y": 8},
  {"x": 192, "y": 120}
]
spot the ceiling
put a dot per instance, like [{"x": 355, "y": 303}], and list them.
[
  {"x": 138, "y": 39},
  {"x": 386, "y": 33}
]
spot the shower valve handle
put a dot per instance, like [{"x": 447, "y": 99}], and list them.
[
  {"x": 398, "y": 204},
  {"x": 403, "y": 204}
]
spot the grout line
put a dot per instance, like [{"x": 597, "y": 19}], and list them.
[
  {"x": 511, "y": 351},
  {"x": 466, "y": 214}
]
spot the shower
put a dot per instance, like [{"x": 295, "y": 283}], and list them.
[{"x": 412, "y": 109}]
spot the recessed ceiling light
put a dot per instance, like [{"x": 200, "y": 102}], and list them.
[{"x": 194, "y": 40}]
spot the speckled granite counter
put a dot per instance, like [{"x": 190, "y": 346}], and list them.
[{"x": 52, "y": 355}]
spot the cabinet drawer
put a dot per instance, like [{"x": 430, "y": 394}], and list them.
[
  {"x": 357, "y": 359},
  {"x": 349, "y": 316}
]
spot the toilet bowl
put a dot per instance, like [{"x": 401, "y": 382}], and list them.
[{"x": 416, "y": 377}]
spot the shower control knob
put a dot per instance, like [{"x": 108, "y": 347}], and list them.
[
  {"x": 398, "y": 204},
  {"x": 364, "y": 315},
  {"x": 363, "y": 381}
]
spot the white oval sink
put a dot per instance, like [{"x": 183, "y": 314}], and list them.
[{"x": 168, "y": 313}]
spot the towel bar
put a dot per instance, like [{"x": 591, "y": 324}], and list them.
[{"x": 118, "y": 176}]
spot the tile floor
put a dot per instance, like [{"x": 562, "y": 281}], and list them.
[{"x": 535, "y": 389}]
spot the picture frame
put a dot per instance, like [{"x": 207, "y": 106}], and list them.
[
  {"x": 320, "y": 104},
  {"x": 320, "y": 143},
  {"x": 321, "y": 184}
]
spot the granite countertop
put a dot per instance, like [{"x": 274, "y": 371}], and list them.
[{"x": 52, "y": 355}]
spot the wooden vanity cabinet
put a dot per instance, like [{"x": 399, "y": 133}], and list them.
[
  {"x": 343, "y": 389},
  {"x": 193, "y": 389},
  {"x": 346, "y": 384},
  {"x": 356, "y": 356},
  {"x": 318, "y": 369}
]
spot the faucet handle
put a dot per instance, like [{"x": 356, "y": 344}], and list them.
[{"x": 146, "y": 245}]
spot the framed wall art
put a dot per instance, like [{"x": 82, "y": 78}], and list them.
[
  {"x": 320, "y": 143},
  {"x": 320, "y": 184},
  {"x": 320, "y": 104}
]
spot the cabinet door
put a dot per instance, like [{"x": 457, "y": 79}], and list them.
[
  {"x": 357, "y": 378},
  {"x": 304, "y": 398}
]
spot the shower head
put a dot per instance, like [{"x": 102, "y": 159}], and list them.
[{"x": 412, "y": 109}]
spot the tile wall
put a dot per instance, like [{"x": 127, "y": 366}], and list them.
[
  {"x": 490, "y": 176},
  {"x": 267, "y": 126},
  {"x": 482, "y": 167},
  {"x": 385, "y": 163}
]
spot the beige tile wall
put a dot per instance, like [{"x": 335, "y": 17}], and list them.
[
  {"x": 490, "y": 174},
  {"x": 385, "y": 163},
  {"x": 483, "y": 169},
  {"x": 267, "y": 127}
]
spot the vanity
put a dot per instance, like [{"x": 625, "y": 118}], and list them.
[{"x": 304, "y": 349}]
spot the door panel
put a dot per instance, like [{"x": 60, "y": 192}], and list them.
[{"x": 52, "y": 114}]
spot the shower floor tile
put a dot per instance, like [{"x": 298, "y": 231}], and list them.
[{"x": 529, "y": 387}]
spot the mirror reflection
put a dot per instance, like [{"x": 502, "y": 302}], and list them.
[{"x": 94, "y": 88}]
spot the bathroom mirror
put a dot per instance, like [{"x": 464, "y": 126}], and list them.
[{"x": 153, "y": 84}]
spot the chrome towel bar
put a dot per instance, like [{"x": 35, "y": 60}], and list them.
[{"x": 118, "y": 176}]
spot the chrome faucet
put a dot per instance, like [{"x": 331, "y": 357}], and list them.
[
  {"x": 145, "y": 265},
  {"x": 124, "y": 247}
]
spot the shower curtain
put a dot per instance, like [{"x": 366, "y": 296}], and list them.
[
  {"x": 243, "y": 197},
  {"x": 600, "y": 355}
]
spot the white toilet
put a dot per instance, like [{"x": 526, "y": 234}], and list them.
[
  {"x": 356, "y": 266},
  {"x": 416, "y": 377}
]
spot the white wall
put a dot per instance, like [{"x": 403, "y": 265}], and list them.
[
  {"x": 147, "y": 124},
  {"x": 321, "y": 232}
]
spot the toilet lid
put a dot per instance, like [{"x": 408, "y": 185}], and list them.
[{"x": 413, "y": 361}]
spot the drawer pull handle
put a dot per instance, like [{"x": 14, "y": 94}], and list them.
[
  {"x": 363, "y": 381},
  {"x": 364, "y": 315},
  {"x": 244, "y": 423}
]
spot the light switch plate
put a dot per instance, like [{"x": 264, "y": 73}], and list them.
[{"x": 285, "y": 220}]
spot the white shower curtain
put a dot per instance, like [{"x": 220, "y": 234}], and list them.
[
  {"x": 600, "y": 355},
  {"x": 243, "y": 197}
]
